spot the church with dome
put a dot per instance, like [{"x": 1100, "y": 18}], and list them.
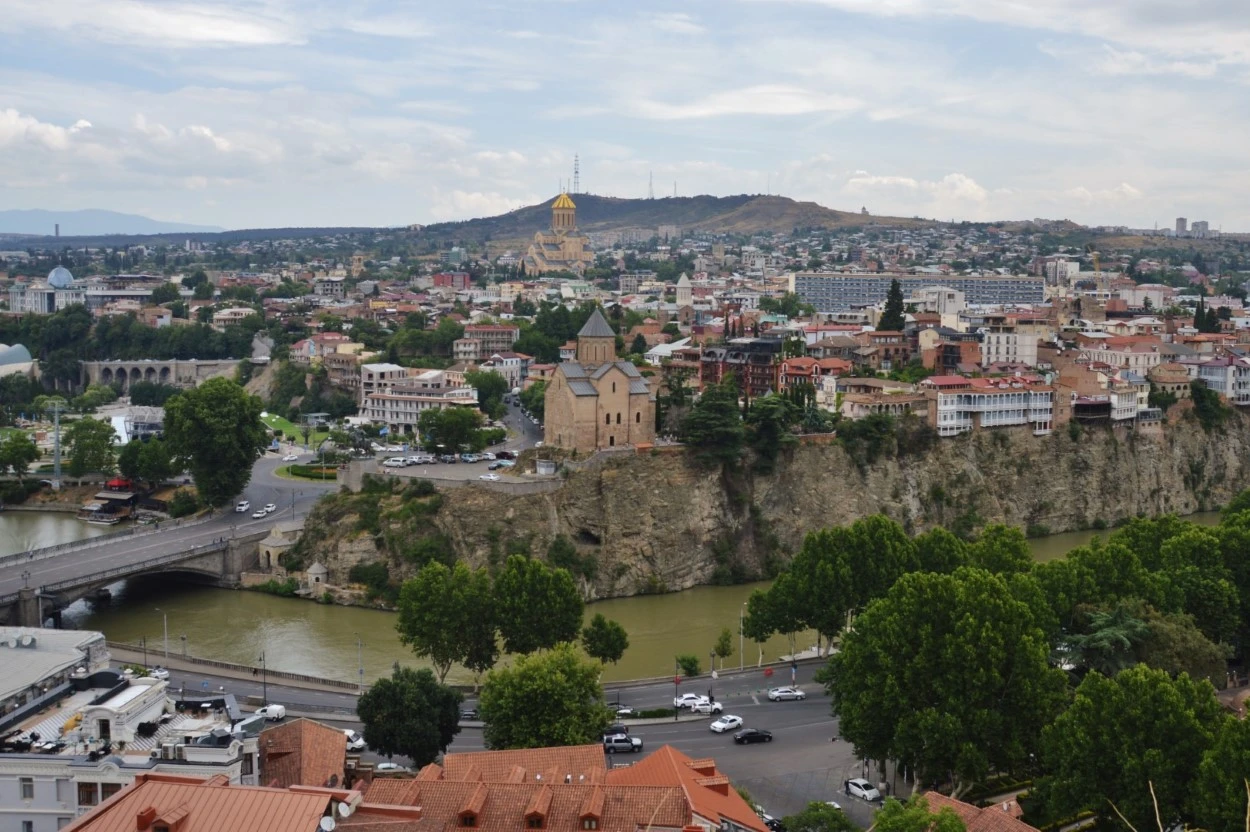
[{"x": 562, "y": 248}]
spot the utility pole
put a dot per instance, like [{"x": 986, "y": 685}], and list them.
[
  {"x": 264, "y": 681},
  {"x": 56, "y": 408},
  {"x": 360, "y": 665},
  {"x": 165, "y": 616}
]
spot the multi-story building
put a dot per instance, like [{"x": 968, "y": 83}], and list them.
[
  {"x": 630, "y": 281},
  {"x": 377, "y": 378},
  {"x": 313, "y": 349},
  {"x": 453, "y": 280},
  {"x": 75, "y": 732},
  {"x": 399, "y": 406},
  {"x": 958, "y": 404},
  {"x": 1137, "y": 353},
  {"x": 755, "y": 364},
  {"x": 330, "y": 287},
  {"x": 1008, "y": 348},
  {"x": 492, "y": 338},
  {"x": 834, "y": 291},
  {"x": 883, "y": 350},
  {"x": 804, "y": 369},
  {"x": 510, "y": 365},
  {"x": 1227, "y": 375}
]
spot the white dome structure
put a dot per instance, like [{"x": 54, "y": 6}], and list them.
[{"x": 60, "y": 278}]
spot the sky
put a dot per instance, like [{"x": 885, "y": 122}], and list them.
[{"x": 267, "y": 113}]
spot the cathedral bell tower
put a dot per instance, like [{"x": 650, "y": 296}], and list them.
[{"x": 563, "y": 215}]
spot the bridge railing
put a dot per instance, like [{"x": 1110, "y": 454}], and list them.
[
  {"x": 132, "y": 568},
  {"x": 92, "y": 542}
]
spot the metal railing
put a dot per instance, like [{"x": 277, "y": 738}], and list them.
[
  {"x": 132, "y": 568},
  {"x": 101, "y": 540}
]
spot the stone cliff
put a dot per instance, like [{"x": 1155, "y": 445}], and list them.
[{"x": 658, "y": 522}]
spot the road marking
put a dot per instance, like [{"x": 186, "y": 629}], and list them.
[{"x": 755, "y": 699}]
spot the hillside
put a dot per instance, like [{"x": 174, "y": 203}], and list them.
[
  {"x": 741, "y": 214},
  {"x": 90, "y": 223}
]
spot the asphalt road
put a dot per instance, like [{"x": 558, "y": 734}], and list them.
[{"x": 293, "y": 498}]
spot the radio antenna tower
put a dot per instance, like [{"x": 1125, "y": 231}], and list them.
[
  {"x": 650, "y": 185},
  {"x": 577, "y": 182}
]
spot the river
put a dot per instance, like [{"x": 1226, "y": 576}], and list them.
[{"x": 319, "y": 640}]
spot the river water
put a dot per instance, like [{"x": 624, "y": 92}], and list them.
[{"x": 303, "y": 637}]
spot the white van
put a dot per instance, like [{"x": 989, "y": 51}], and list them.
[{"x": 395, "y": 462}]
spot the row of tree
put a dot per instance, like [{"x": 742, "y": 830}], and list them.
[
  {"x": 458, "y": 615},
  {"x": 1090, "y": 675}
]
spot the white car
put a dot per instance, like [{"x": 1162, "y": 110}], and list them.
[
  {"x": 355, "y": 742},
  {"x": 273, "y": 713},
  {"x": 488, "y": 455},
  {"x": 159, "y": 672},
  {"x": 780, "y": 694},
  {"x": 395, "y": 462},
  {"x": 259, "y": 514},
  {"x": 242, "y": 506},
  {"x": 489, "y": 477},
  {"x": 394, "y": 767},
  {"x": 703, "y": 706},
  {"x": 291, "y": 458},
  {"x": 687, "y": 700},
  {"x": 728, "y": 722},
  {"x": 270, "y": 508},
  {"x": 861, "y": 788}
]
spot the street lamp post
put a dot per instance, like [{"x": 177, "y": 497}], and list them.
[
  {"x": 360, "y": 665},
  {"x": 143, "y": 640},
  {"x": 165, "y": 616},
  {"x": 676, "y": 685},
  {"x": 741, "y": 636},
  {"x": 264, "y": 681}
]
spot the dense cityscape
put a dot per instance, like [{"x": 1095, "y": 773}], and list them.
[{"x": 866, "y": 445}]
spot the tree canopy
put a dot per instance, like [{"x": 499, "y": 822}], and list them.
[
  {"x": 446, "y": 615},
  {"x": 90, "y": 446},
  {"x": 604, "y": 639},
  {"x": 410, "y": 714},
  {"x": 216, "y": 429},
  {"x": 537, "y": 606},
  {"x": 545, "y": 699}
]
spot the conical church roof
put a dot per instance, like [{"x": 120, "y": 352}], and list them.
[
  {"x": 563, "y": 201},
  {"x": 596, "y": 327}
]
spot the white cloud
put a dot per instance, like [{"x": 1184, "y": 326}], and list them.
[
  {"x": 20, "y": 129},
  {"x": 760, "y": 99},
  {"x": 677, "y": 23},
  {"x": 154, "y": 24}
]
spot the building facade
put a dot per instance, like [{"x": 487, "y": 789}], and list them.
[
  {"x": 399, "y": 406},
  {"x": 831, "y": 292},
  {"x": 958, "y": 405},
  {"x": 562, "y": 248},
  {"x": 595, "y": 401}
]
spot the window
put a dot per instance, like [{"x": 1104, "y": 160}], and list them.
[
  {"x": 107, "y": 790},
  {"x": 607, "y": 418},
  {"x": 28, "y": 826},
  {"x": 28, "y": 788},
  {"x": 468, "y": 820},
  {"x": 590, "y": 823},
  {"x": 88, "y": 794},
  {"x": 638, "y": 417},
  {"x": 618, "y": 418},
  {"x": 534, "y": 822}
]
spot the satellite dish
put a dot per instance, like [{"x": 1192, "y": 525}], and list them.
[
  {"x": 327, "y": 824},
  {"x": 345, "y": 809}
]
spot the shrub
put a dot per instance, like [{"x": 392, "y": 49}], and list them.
[
  {"x": 283, "y": 589},
  {"x": 183, "y": 503},
  {"x": 16, "y": 492},
  {"x": 689, "y": 664},
  {"x": 1037, "y": 530},
  {"x": 373, "y": 575}
]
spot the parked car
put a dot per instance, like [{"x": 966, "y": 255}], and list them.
[
  {"x": 489, "y": 477},
  {"x": 505, "y": 455},
  {"x": 241, "y": 506},
  {"x": 626, "y": 713},
  {"x": 449, "y": 459},
  {"x": 861, "y": 788},
  {"x": 494, "y": 466},
  {"x": 750, "y": 735},
  {"x": 507, "y": 463},
  {"x": 470, "y": 458},
  {"x": 469, "y": 713},
  {"x": 686, "y": 700},
  {"x": 273, "y": 713},
  {"x": 835, "y": 804},
  {"x": 728, "y": 722},
  {"x": 355, "y": 742},
  {"x": 774, "y": 825},
  {"x": 393, "y": 768},
  {"x": 614, "y": 729},
  {"x": 780, "y": 694},
  {"x": 395, "y": 462},
  {"x": 270, "y": 508},
  {"x": 703, "y": 706},
  {"x": 159, "y": 672},
  {"x": 622, "y": 742},
  {"x": 488, "y": 456}
]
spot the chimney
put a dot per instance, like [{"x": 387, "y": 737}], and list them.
[{"x": 145, "y": 818}]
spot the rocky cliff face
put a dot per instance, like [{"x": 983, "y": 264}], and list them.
[{"x": 658, "y": 522}]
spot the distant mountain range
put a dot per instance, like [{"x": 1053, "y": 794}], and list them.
[
  {"x": 742, "y": 214},
  {"x": 90, "y": 223}
]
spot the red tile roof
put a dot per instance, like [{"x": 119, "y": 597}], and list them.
[
  {"x": 209, "y": 805},
  {"x": 1001, "y": 817},
  {"x": 495, "y": 766},
  {"x": 302, "y": 753},
  {"x": 668, "y": 766}
]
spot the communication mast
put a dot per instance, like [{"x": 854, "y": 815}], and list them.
[
  {"x": 650, "y": 185},
  {"x": 577, "y": 183}
]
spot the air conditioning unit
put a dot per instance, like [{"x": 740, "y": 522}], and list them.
[
  {"x": 169, "y": 751},
  {"x": 156, "y": 754}
]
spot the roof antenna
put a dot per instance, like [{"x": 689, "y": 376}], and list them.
[
  {"x": 650, "y": 185},
  {"x": 577, "y": 184}
]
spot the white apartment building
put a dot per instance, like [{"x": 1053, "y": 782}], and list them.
[
  {"x": 375, "y": 378},
  {"x": 1228, "y": 376},
  {"x": 400, "y": 406},
  {"x": 1008, "y": 347},
  {"x": 960, "y": 405}
]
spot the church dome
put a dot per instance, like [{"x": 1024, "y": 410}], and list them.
[
  {"x": 563, "y": 201},
  {"x": 60, "y": 278}
]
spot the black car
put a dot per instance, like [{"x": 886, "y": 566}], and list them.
[
  {"x": 616, "y": 728},
  {"x": 775, "y": 825},
  {"x": 747, "y": 735},
  {"x": 449, "y": 459},
  {"x": 469, "y": 713}
]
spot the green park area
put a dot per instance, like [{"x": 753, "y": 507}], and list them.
[{"x": 291, "y": 430}]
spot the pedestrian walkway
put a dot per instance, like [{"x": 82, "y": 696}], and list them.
[{"x": 124, "y": 655}]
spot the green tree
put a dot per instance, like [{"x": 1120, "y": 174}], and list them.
[
  {"x": 1002, "y": 550},
  {"x": 534, "y": 399},
  {"x": 604, "y": 639},
  {"x": 17, "y": 452},
  {"x": 819, "y": 817},
  {"x": 713, "y": 427},
  {"x": 937, "y": 550},
  {"x": 411, "y": 714},
  {"x": 215, "y": 429},
  {"x": 443, "y": 617},
  {"x": 758, "y": 624},
  {"x": 639, "y": 345},
  {"x": 947, "y": 674},
  {"x": 491, "y": 388},
  {"x": 914, "y": 816},
  {"x": 892, "y": 319},
  {"x": 538, "y": 606},
  {"x": 688, "y": 664},
  {"x": 547, "y": 699},
  {"x": 450, "y": 429},
  {"x": 93, "y": 397},
  {"x": 1219, "y": 790},
  {"x": 1112, "y": 641},
  {"x": 165, "y": 293},
  {"x": 128, "y": 460},
  {"x": 1124, "y": 735},
  {"x": 724, "y": 646},
  {"x": 789, "y": 304},
  {"x": 768, "y": 426},
  {"x": 90, "y": 447}
]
